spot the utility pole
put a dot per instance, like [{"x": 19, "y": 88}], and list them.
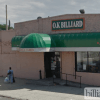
[
  {"x": 9, "y": 24},
  {"x": 6, "y": 19}
]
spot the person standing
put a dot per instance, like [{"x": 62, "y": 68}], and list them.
[{"x": 10, "y": 75}]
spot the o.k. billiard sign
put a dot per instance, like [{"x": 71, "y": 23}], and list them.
[{"x": 78, "y": 23}]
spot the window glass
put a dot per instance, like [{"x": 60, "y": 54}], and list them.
[
  {"x": 81, "y": 61},
  {"x": 88, "y": 62},
  {"x": 94, "y": 62}
]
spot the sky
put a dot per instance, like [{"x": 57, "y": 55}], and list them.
[{"x": 25, "y": 10}]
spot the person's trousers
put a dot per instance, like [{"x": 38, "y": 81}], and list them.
[{"x": 11, "y": 78}]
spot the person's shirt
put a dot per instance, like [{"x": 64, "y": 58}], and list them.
[{"x": 11, "y": 72}]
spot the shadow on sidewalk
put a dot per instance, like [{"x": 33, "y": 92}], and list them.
[{"x": 42, "y": 85}]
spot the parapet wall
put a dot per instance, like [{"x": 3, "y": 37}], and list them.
[{"x": 43, "y": 25}]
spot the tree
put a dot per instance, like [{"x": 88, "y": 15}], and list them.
[{"x": 3, "y": 27}]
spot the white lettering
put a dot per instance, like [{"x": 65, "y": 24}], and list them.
[
  {"x": 74, "y": 24},
  {"x": 68, "y": 23},
  {"x": 77, "y": 23},
  {"x": 58, "y": 26},
  {"x": 71, "y": 24},
  {"x": 62, "y": 24},
  {"x": 54, "y": 25},
  {"x": 80, "y": 23}
]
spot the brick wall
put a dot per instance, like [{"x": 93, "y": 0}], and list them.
[
  {"x": 92, "y": 24},
  {"x": 24, "y": 65},
  {"x": 6, "y": 37}
]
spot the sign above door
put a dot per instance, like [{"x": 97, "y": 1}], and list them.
[{"x": 66, "y": 24}]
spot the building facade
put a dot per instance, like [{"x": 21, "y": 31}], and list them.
[{"x": 62, "y": 44}]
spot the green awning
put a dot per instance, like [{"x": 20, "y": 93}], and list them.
[
  {"x": 37, "y": 42},
  {"x": 15, "y": 42},
  {"x": 76, "y": 39}
]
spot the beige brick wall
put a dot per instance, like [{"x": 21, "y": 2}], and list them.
[
  {"x": 68, "y": 62},
  {"x": 92, "y": 24},
  {"x": 68, "y": 65},
  {"x": 5, "y": 49},
  {"x": 6, "y": 37},
  {"x": 24, "y": 65},
  {"x": 0, "y": 42}
]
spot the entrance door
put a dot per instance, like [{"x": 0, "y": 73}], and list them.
[
  {"x": 47, "y": 64},
  {"x": 52, "y": 64},
  {"x": 57, "y": 61}
]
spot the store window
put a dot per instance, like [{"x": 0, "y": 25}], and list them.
[{"x": 88, "y": 62}]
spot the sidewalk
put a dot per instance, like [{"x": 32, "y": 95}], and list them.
[{"x": 40, "y": 90}]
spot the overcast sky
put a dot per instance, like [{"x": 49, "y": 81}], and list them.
[{"x": 24, "y": 10}]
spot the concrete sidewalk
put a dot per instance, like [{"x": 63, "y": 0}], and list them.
[{"x": 40, "y": 90}]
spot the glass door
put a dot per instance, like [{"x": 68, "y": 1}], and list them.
[{"x": 55, "y": 65}]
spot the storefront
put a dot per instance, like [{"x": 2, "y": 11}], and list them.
[{"x": 61, "y": 44}]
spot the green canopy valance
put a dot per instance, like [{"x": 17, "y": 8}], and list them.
[
  {"x": 37, "y": 42},
  {"x": 15, "y": 42}
]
